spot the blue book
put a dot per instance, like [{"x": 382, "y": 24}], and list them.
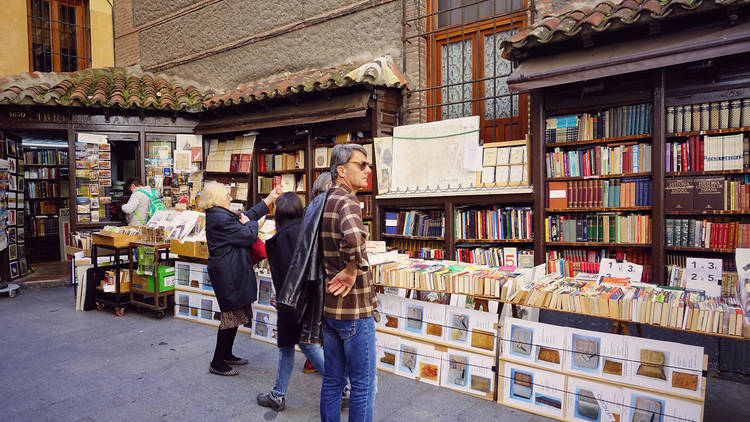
[{"x": 391, "y": 219}]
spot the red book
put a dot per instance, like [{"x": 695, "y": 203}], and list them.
[
  {"x": 712, "y": 239},
  {"x": 262, "y": 162},
  {"x": 369, "y": 182},
  {"x": 725, "y": 235},
  {"x": 701, "y": 158},
  {"x": 573, "y": 198},
  {"x": 691, "y": 152},
  {"x": 683, "y": 148}
]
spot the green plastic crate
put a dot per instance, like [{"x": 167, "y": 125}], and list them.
[{"x": 166, "y": 279}]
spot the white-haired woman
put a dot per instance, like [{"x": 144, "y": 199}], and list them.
[{"x": 230, "y": 266}]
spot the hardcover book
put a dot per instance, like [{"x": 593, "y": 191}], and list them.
[
  {"x": 679, "y": 193},
  {"x": 709, "y": 193}
]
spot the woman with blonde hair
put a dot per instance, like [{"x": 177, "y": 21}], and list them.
[{"x": 230, "y": 266}]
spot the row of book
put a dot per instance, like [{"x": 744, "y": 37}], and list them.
[
  {"x": 676, "y": 278},
  {"x": 289, "y": 183},
  {"x": 707, "y": 193},
  {"x": 42, "y": 226},
  {"x": 599, "y": 160},
  {"x": 281, "y": 161},
  {"x": 414, "y": 248},
  {"x": 602, "y": 228},
  {"x": 495, "y": 224},
  {"x": 415, "y": 223},
  {"x": 611, "y": 123},
  {"x": 713, "y": 153},
  {"x": 497, "y": 257},
  {"x": 322, "y": 154},
  {"x": 42, "y": 189},
  {"x": 708, "y": 116},
  {"x": 41, "y": 173},
  {"x": 570, "y": 262},
  {"x": 49, "y": 206},
  {"x": 46, "y": 156},
  {"x": 598, "y": 193},
  {"x": 223, "y": 154},
  {"x": 665, "y": 306},
  {"x": 694, "y": 233}
]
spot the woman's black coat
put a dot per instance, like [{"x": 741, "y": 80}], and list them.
[
  {"x": 229, "y": 263},
  {"x": 280, "y": 249}
]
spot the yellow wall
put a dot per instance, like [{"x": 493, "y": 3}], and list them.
[
  {"x": 102, "y": 41},
  {"x": 14, "y": 42}
]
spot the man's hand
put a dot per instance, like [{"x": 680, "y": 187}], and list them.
[
  {"x": 275, "y": 193},
  {"x": 343, "y": 282},
  {"x": 243, "y": 219}
]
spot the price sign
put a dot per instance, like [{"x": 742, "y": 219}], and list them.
[
  {"x": 611, "y": 268},
  {"x": 703, "y": 274}
]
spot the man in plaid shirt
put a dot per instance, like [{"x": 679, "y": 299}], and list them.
[{"x": 348, "y": 325}]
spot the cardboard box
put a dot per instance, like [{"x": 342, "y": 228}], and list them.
[
  {"x": 72, "y": 250},
  {"x": 114, "y": 240},
  {"x": 189, "y": 249}
]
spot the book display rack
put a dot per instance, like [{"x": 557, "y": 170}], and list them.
[{"x": 43, "y": 170}]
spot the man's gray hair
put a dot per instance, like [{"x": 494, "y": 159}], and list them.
[
  {"x": 341, "y": 154},
  {"x": 322, "y": 183}
]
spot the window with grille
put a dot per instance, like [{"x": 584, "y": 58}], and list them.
[
  {"x": 463, "y": 72},
  {"x": 59, "y": 35}
]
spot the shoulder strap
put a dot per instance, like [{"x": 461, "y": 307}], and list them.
[{"x": 149, "y": 193}]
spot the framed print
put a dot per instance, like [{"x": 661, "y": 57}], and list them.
[{"x": 11, "y": 148}]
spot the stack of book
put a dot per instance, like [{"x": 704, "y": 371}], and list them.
[
  {"x": 603, "y": 227},
  {"x": 497, "y": 257},
  {"x": 495, "y": 224},
  {"x": 599, "y": 160},
  {"x": 47, "y": 157},
  {"x": 231, "y": 155}
]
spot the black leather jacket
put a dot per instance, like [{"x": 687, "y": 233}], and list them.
[{"x": 303, "y": 287}]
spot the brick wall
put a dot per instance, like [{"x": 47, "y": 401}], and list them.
[
  {"x": 416, "y": 66},
  {"x": 127, "y": 49}
]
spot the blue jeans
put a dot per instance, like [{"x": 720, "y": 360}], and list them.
[
  {"x": 348, "y": 344},
  {"x": 286, "y": 363}
]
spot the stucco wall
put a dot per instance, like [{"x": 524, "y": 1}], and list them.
[
  {"x": 102, "y": 46},
  {"x": 361, "y": 35},
  {"x": 14, "y": 42}
]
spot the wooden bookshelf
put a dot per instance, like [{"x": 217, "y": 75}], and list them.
[
  {"x": 700, "y": 250},
  {"x": 599, "y": 141},
  {"x": 709, "y": 212},
  {"x": 425, "y": 238},
  {"x": 726, "y": 131},
  {"x": 599, "y": 176},
  {"x": 595, "y": 209},
  {"x": 488, "y": 241},
  {"x": 601, "y": 244},
  {"x": 707, "y": 173}
]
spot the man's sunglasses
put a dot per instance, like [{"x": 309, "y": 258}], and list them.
[{"x": 362, "y": 164}]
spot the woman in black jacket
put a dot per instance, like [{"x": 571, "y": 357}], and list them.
[
  {"x": 280, "y": 249},
  {"x": 230, "y": 267}
]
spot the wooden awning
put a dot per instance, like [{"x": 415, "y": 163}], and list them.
[
  {"x": 348, "y": 106},
  {"x": 693, "y": 44}
]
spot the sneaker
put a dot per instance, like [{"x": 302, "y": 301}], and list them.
[
  {"x": 345, "y": 397},
  {"x": 309, "y": 368},
  {"x": 269, "y": 400}
]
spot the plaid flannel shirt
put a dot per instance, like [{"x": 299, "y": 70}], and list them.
[{"x": 343, "y": 237}]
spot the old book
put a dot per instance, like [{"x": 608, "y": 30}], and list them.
[
  {"x": 489, "y": 157},
  {"x": 709, "y": 193},
  {"x": 652, "y": 364},
  {"x": 679, "y": 193},
  {"x": 684, "y": 380},
  {"x": 558, "y": 194},
  {"x": 321, "y": 157}
]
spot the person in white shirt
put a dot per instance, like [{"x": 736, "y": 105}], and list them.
[{"x": 136, "y": 208}]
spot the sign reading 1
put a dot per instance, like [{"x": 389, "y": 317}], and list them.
[{"x": 609, "y": 267}]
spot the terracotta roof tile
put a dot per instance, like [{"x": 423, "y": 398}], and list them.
[
  {"x": 379, "y": 72},
  {"x": 569, "y": 21},
  {"x": 105, "y": 87}
]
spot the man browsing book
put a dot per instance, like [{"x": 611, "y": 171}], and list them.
[{"x": 348, "y": 325}]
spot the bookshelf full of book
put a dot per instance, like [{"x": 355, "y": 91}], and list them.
[
  {"x": 45, "y": 177},
  {"x": 229, "y": 161},
  {"x": 597, "y": 187},
  {"x": 283, "y": 166}
]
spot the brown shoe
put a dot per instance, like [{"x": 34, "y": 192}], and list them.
[
  {"x": 230, "y": 373},
  {"x": 309, "y": 367}
]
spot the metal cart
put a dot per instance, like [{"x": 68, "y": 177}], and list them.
[{"x": 116, "y": 300}]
